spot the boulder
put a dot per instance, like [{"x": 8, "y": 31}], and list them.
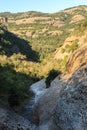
[
  {"x": 70, "y": 112},
  {"x": 71, "y": 109},
  {"x": 43, "y": 110}
]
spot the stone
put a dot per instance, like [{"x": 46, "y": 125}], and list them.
[
  {"x": 71, "y": 110},
  {"x": 9, "y": 120},
  {"x": 43, "y": 110}
]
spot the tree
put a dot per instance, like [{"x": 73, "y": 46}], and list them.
[{"x": 51, "y": 75}]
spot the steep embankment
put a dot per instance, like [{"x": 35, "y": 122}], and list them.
[
  {"x": 71, "y": 109},
  {"x": 78, "y": 59},
  {"x": 63, "y": 106}
]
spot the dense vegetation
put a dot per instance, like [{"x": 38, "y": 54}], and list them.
[{"x": 13, "y": 85}]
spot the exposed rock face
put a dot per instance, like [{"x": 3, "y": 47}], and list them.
[
  {"x": 11, "y": 121},
  {"x": 78, "y": 59},
  {"x": 64, "y": 104},
  {"x": 71, "y": 110},
  {"x": 3, "y": 19},
  {"x": 43, "y": 111},
  {"x": 38, "y": 89}
]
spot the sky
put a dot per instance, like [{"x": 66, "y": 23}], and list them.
[{"x": 46, "y": 6}]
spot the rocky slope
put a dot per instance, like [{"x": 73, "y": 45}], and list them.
[
  {"x": 11, "y": 121},
  {"x": 44, "y": 108},
  {"x": 71, "y": 109},
  {"x": 63, "y": 106},
  {"x": 78, "y": 59}
]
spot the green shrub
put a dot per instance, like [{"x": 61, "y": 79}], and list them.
[
  {"x": 14, "y": 97},
  {"x": 13, "y": 86},
  {"x": 51, "y": 75}
]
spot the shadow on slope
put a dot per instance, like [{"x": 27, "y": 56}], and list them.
[
  {"x": 10, "y": 43},
  {"x": 14, "y": 86}
]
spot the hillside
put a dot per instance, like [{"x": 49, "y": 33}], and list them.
[
  {"x": 11, "y": 43},
  {"x": 49, "y": 34},
  {"x": 16, "y": 56},
  {"x": 34, "y": 43}
]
